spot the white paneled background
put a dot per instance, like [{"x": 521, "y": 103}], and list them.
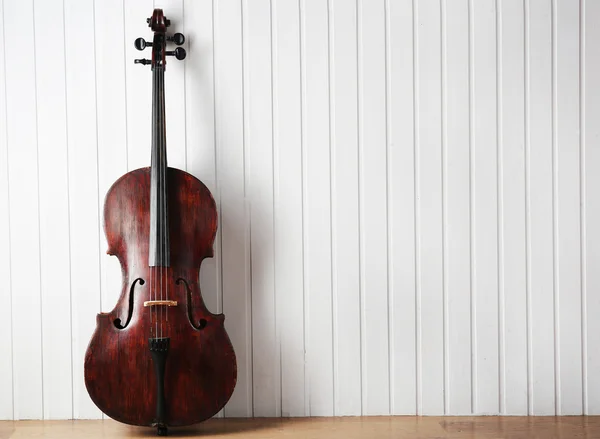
[{"x": 410, "y": 220}]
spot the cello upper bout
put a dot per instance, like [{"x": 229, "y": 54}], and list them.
[{"x": 126, "y": 211}]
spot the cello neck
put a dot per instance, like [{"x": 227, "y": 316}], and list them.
[{"x": 159, "y": 254}]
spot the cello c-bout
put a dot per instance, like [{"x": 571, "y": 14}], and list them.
[{"x": 160, "y": 358}]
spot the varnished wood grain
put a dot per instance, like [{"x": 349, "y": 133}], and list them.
[
  {"x": 383, "y": 427},
  {"x": 201, "y": 368}
]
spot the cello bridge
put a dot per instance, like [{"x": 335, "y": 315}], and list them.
[{"x": 160, "y": 303}]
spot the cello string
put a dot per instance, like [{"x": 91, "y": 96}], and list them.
[
  {"x": 159, "y": 193},
  {"x": 153, "y": 162},
  {"x": 164, "y": 188},
  {"x": 164, "y": 198},
  {"x": 166, "y": 227},
  {"x": 157, "y": 100},
  {"x": 165, "y": 206},
  {"x": 150, "y": 289},
  {"x": 152, "y": 321},
  {"x": 153, "y": 269}
]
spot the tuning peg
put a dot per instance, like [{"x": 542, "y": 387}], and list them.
[
  {"x": 142, "y": 61},
  {"x": 177, "y": 38},
  {"x": 178, "y": 53},
  {"x": 167, "y": 22},
  {"x": 148, "y": 20},
  {"x": 141, "y": 44}
]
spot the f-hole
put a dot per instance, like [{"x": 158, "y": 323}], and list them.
[
  {"x": 117, "y": 322},
  {"x": 202, "y": 323}
]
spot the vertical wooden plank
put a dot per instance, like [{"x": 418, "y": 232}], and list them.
[
  {"x": 231, "y": 174},
  {"x": 174, "y": 87},
  {"x": 24, "y": 209},
  {"x": 567, "y": 206},
  {"x": 513, "y": 256},
  {"x": 54, "y": 209},
  {"x": 201, "y": 154},
  {"x": 521, "y": 193},
  {"x": 317, "y": 215},
  {"x": 373, "y": 205},
  {"x": 401, "y": 208},
  {"x": 200, "y": 126},
  {"x": 112, "y": 129},
  {"x": 138, "y": 86},
  {"x": 259, "y": 152},
  {"x": 430, "y": 338},
  {"x": 457, "y": 255},
  {"x": 345, "y": 213},
  {"x": 485, "y": 207},
  {"x": 289, "y": 282},
  {"x": 83, "y": 189},
  {"x": 6, "y": 367},
  {"x": 591, "y": 182},
  {"x": 540, "y": 241}
]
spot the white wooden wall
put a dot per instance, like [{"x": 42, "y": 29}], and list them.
[{"x": 408, "y": 196}]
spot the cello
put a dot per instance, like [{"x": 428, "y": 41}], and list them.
[{"x": 160, "y": 358}]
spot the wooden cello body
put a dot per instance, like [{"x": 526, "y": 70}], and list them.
[{"x": 160, "y": 358}]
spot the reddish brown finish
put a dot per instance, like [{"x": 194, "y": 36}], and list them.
[
  {"x": 201, "y": 368},
  {"x": 158, "y": 24}
]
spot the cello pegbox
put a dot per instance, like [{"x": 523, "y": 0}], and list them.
[
  {"x": 149, "y": 21},
  {"x": 158, "y": 22}
]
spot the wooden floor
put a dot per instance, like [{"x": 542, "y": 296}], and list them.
[{"x": 325, "y": 428}]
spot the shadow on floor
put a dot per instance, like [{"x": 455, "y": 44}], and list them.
[{"x": 214, "y": 426}]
